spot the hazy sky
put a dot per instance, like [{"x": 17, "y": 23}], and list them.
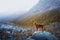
[
  {"x": 16, "y": 5},
  {"x": 10, "y": 7}
]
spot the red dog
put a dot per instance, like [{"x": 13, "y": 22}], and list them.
[{"x": 39, "y": 26}]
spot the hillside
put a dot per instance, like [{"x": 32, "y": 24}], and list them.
[{"x": 45, "y": 18}]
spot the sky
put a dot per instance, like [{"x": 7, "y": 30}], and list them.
[{"x": 8, "y": 7}]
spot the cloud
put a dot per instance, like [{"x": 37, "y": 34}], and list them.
[{"x": 16, "y": 5}]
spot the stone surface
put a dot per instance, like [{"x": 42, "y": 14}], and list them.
[{"x": 39, "y": 35}]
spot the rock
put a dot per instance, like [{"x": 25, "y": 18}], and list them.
[{"x": 39, "y": 35}]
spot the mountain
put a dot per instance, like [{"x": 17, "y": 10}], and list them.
[
  {"x": 42, "y": 5},
  {"x": 44, "y": 17},
  {"x": 45, "y": 4}
]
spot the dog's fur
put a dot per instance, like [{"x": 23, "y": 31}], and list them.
[{"x": 39, "y": 26}]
